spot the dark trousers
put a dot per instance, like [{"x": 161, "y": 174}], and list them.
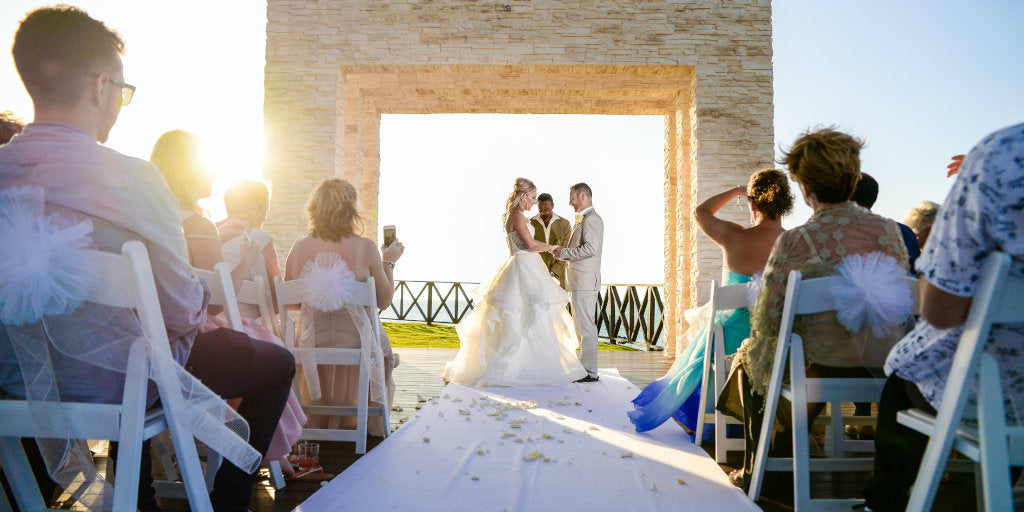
[
  {"x": 898, "y": 449},
  {"x": 260, "y": 373}
]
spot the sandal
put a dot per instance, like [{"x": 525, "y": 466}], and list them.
[{"x": 736, "y": 477}]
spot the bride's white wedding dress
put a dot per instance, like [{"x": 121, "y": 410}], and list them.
[{"x": 519, "y": 333}]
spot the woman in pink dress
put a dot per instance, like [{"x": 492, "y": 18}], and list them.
[
  {"x": 176, "y": 154},
  {"x": 334, "y": 223}
]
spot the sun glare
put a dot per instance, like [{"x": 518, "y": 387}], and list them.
[{"x": 232, "y": 158}]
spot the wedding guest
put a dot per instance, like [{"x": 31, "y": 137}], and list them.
[
  {"x": 10, "y": 125},
  {"x": 865, "y": 196},
  {"x": 920, "y": 219},
  {"x": 549, "y": 228},
  {"x": 746, "y": 250},
  {"x": 70, "y": 64},
  {"x": 177, "y": 155},
  {"x": 334, "y": 226},
  {"x": 246, "y": 203},
  {"x": 980, "y": 215},
  {"x": 826, "y": 166}
]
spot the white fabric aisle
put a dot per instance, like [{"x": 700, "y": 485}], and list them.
[{"x": 532, "y": 449}]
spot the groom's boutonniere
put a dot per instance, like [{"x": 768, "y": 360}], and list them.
[{"x": 579, "y": 218}]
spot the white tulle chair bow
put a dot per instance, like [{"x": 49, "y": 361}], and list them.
[
  {"x": 871, "y": 290},
  {"x": 327, "y": 286}
]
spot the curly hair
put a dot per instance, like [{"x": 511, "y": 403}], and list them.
[
  {"x": 768, "y": 190},
  {"x": 333, "y": 211},
  {"x": 521, "y": 187},
  {"x": 827, "y": 162}
]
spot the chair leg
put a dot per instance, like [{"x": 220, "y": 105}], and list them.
[
  {"x": 995, "y": 464},
  {"x": 276, "y": 476},
  {"x": 19, "y": 475},
  {"x": 801, "y": 452},
  {"x": 702, "y": 407}
]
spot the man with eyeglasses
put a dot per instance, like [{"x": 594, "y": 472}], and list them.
[{"x": 71, "y": 67}]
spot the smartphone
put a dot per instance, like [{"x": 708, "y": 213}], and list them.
[{"x": 389, "y": 235}]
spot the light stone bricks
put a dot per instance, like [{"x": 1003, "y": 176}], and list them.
[{"x": 333, "y": 67}]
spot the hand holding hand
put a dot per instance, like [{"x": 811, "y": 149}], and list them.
[
  {"x": 557, "y": 252},
  {"x": 954, "y": 166}
]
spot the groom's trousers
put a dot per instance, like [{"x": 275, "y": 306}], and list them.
[{"x": 584, "y": 306}]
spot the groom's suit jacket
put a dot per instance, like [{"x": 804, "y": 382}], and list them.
[{"x": 583, "y": 253}]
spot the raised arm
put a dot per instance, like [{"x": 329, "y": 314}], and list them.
[
  {"x": 519, "y": 225},
  {"x": 720, "y": 231}
]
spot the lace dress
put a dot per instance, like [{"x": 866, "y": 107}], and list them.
[
  {"x": 519, "y": 333},
  {"x": 815, "y": 249}
]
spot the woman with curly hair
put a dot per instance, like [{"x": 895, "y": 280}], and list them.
[{"x": 746, "y": 249}]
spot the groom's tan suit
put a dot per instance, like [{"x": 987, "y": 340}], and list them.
[{"x": 583, "y": 275}]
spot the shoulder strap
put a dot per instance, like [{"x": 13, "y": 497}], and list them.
[{"x": 807, "y": 239}]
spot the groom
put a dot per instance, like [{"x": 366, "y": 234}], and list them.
[{"x": 583, "y": 273}]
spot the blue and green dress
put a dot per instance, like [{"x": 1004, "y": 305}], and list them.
[{"x": 677, "y": 394}]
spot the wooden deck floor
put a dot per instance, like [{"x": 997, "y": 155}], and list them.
[{"x": 418, "y": 379}]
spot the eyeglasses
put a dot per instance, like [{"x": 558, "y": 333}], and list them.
[{"x": 127, "y": 90}]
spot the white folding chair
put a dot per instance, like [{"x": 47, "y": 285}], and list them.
[
  {"x": 126, "y": 281},
  {"x": 805, "y": 297},
  {"x": 723, "y": 298},
  {"x": 256, "y": 292},
  {"x": 365, "y": 296},
  {"x": 994, "y": 445},
  {"x": 222, "y": 293}
]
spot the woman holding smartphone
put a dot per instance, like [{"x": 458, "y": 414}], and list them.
[{"x": 334, "y": 248}]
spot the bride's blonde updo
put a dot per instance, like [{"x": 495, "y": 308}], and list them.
[{"x": 521, "y": 187}]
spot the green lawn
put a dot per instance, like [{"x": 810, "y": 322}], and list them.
[{"x": 409, "y": 334}]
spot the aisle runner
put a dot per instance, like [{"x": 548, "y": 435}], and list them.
[{"x": 532, "y": 449}]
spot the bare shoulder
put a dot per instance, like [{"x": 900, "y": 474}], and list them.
[
  {"x": 197, "y": 225},
  {"x": 368, "y": 247}
]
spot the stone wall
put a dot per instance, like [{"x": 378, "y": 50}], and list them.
[{"x": 333, "y": 67}]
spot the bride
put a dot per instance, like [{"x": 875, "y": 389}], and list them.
[{"x": 519, "y": 332}]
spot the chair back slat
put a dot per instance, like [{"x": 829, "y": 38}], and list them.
[
  {"x": 733, "y": 296},
  {"x": 117, "y": 289},
  {"x": 222, "y": 292},
  {"x": 1008, "y": 307}
]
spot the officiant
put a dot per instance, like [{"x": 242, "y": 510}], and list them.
[{"x": 549, "y": 228}]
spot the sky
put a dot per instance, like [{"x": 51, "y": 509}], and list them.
[{"x": 919, "y": 81}]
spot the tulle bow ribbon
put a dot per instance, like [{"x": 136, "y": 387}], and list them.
[
  {"x": 873, "y": 291},
  {"x": 44, "y": 269}
]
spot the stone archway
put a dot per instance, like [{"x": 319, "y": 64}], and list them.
[{"x": 334, "y": 68}]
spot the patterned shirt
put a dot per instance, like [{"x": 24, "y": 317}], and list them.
[{"x": 984, "y": 212}]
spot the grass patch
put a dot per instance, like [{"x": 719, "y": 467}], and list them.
[{"x": 419, "y": 335}]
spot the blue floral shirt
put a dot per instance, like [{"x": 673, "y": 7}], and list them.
[{"x": 984, "y": 212}]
